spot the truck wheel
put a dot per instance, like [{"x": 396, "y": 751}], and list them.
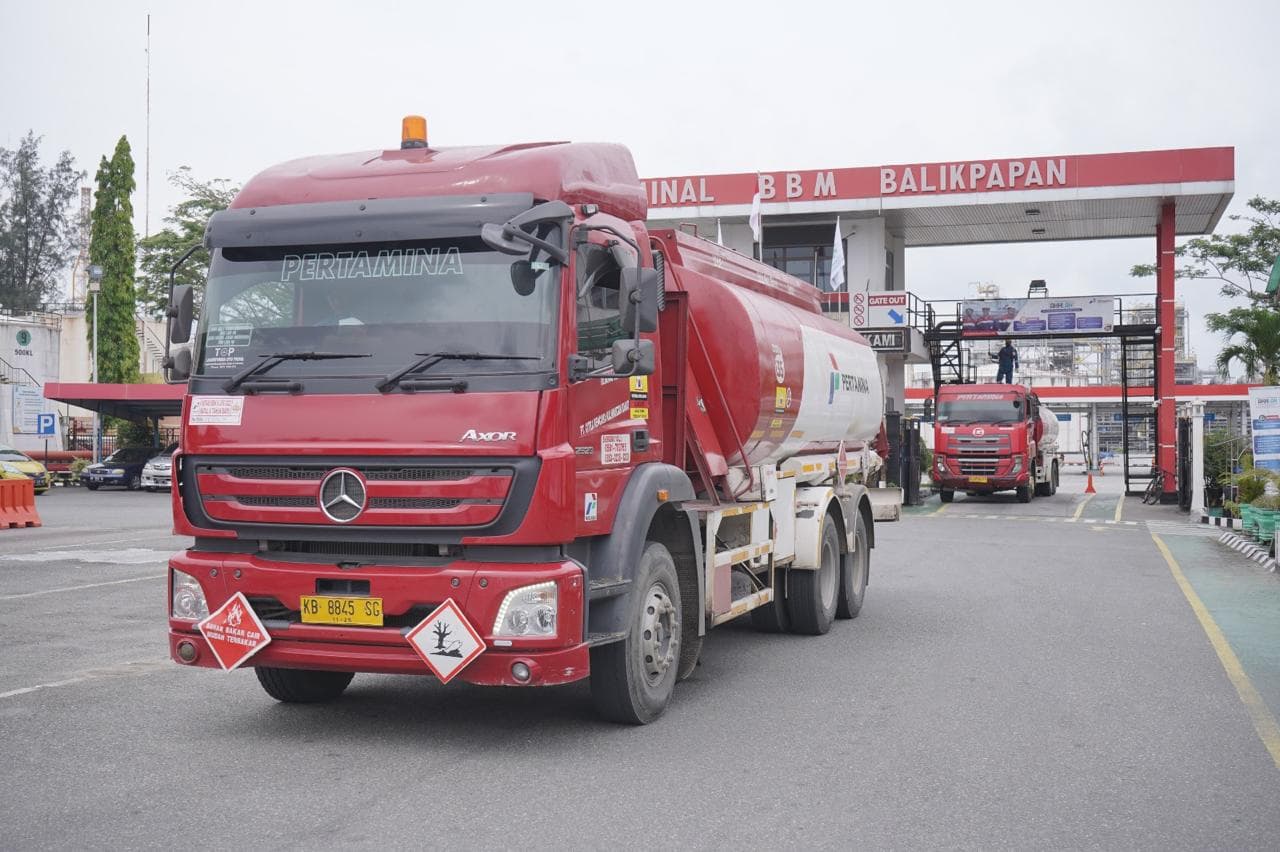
[
  {"x": 812, "y": 602},
  {"x": 854, "y": 568},
  {"x": 1053, "y": 480},
  {"x": 632, "y": 680},
  {"x": 772, "y": 617},
  {"x": 1024, "y": 493},
  {"x": 302, "y": 686},
  {"x": 946, "y": 495}
]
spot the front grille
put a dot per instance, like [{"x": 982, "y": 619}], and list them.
[
  {"x": 278, "y": 502},
  {"x": 281, "y": 473},
  {"x": 414, "y": 503},
  {"x": 978, "y": 467},
  {"x": 345, "y": 549}
]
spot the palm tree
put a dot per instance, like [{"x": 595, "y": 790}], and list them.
[{"x": 1252, "y": 337}]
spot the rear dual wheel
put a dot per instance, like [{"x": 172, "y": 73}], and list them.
[
  {"x": 855, "y": 568},
  {"x": 814, "y": 594}
]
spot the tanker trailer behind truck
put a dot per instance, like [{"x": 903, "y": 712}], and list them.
[
  {"x": 457, "y": 411},
  {"x": 994, "y": 437}
]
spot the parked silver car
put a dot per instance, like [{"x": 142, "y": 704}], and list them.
[{"x": 156, "y": 472}]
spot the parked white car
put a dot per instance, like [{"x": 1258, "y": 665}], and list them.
[{"x": 156, "y": 472}]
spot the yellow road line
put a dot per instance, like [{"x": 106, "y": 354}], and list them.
[
  {"x": 1080, "y": 508},
  {"x": 1263, "y": 722},
  {"x": 939, "y": 510},
  {"x": 1119, "y": 506}
]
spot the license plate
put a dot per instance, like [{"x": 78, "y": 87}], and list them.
[
  {"x": 977, "y": 479},
  {"x": 324, "y": 609}
]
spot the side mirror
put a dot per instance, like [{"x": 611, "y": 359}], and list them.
[
  {"x": 180, "y": 312},
  {"x": 633, "y": 357},
  {"x": 524, "y": 277},
  {"x": 178, "y": 366},
  {"x": 638, "y": 299},
  {"x": 515, "y": 236},
  {"x": 928, "y": 408}
]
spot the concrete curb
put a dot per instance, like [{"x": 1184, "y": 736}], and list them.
[
  {"x": 1249, "y": 549},
  {"x": 1229, "y": 523}
]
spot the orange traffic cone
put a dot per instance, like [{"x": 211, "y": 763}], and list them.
[{"x": 1088, "y": 486}]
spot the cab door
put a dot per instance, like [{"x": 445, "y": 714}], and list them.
[{"x": 609, "y": 418}]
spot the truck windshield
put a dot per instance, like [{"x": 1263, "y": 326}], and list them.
[
  {"x": 387, "y": 300},
  {"x": 980, "y": 411}
]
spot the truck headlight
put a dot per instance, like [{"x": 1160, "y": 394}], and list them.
[
  {"x": 119, "y": 471},
  {"x": 1017, "y": 465},
  {"x": 188, "y": 597},
  {"x": 528, "y": 611}
]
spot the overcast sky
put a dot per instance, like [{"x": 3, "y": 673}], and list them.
[{"x": 689, "y": 87}]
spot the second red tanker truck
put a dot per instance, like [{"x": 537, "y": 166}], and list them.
[
  {"x": 457, "y": 411},
  {"x": 994, "y": 437}
]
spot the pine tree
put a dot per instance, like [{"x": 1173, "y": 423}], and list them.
[{"x": 112, "y": 247}]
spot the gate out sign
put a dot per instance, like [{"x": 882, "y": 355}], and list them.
[{"x": 878, "y": 310}]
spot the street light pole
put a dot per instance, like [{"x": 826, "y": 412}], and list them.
[{"x": 95, "y": 284}]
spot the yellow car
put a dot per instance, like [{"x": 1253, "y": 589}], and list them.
[{"x": 24, "y": 464}]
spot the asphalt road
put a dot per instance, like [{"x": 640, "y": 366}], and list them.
[{"x": 1023, "y": 676}]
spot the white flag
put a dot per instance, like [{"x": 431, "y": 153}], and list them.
[
  {"x": 837, "y": 261},
  {"x": 754, "y": 220},
  {"x": 719, "y": 233}
]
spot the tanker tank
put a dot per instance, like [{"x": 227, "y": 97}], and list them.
[{"x": 794, "y": 381}]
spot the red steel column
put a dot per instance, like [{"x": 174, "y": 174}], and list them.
[{"x": 1166, "y": 417}]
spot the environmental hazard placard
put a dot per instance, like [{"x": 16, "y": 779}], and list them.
[
  {"x": 446, "y": 641},
  {"x": 234, "y": 632}
]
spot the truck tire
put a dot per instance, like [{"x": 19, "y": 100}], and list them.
[
  {"x": 772, "y": 617},
  {"x": 1053, "y": 480},
  {"x": 302, "y": 686},
  {"x": 854, "y": 568},
  {"x": 1024, "y": 493},
  {"x": 814, "y": 594},
  {"x": 632, "y": 680},
  {"x": 946, "y": 495}
]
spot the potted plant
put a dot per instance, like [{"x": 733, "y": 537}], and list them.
[
  {"x": 1250, "y": 485},
  {"x": 1265, "y": 510},
  {"x": 1230, "y": 509}
]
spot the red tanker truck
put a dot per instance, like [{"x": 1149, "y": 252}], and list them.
[
  {"x": 457, "y": 411},
  {"x": 994, "y": 437}
]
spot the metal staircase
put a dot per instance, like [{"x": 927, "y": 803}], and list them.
[
  {"x": 12, "y": 375},
  {"x": 947, "y": 355},
  {"x": 1138, "y": 393}
]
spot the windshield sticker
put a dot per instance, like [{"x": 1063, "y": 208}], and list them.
[
  {"x": 216, "y": 410},
  {"x": 329, "y": 266},
  {"x": 226, "y": 346}
]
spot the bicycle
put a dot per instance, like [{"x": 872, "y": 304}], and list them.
[{"x": 1155, "y": 488}]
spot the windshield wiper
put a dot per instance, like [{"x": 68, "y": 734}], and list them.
[
  {"x": 269, "y": 361},
  {"x": 427, "y": 360}
]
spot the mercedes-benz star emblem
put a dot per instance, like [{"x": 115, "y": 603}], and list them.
[{"x": 342, "y": 495}]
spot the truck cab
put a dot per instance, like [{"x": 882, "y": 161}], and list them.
[{"x": 994, "y": 437}]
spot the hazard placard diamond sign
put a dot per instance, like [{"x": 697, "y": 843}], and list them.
[
  {"x": 234, "y": 632},
  {"x": 446, "y": 641}
]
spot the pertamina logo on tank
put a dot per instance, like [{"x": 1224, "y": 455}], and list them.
[{"x": 841, "y": 381}]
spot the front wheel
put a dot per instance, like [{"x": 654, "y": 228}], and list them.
[
  {"x": 632, "y": 680},
  {"x": 854, "y": 570},
  {"x": 91, "y": 486},
  {"x": 1024, "y": 493},
  {"x": 301, "y": 686},
  {"x": 946, "y": 495},
  {"x": 135, "y": 482}
]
